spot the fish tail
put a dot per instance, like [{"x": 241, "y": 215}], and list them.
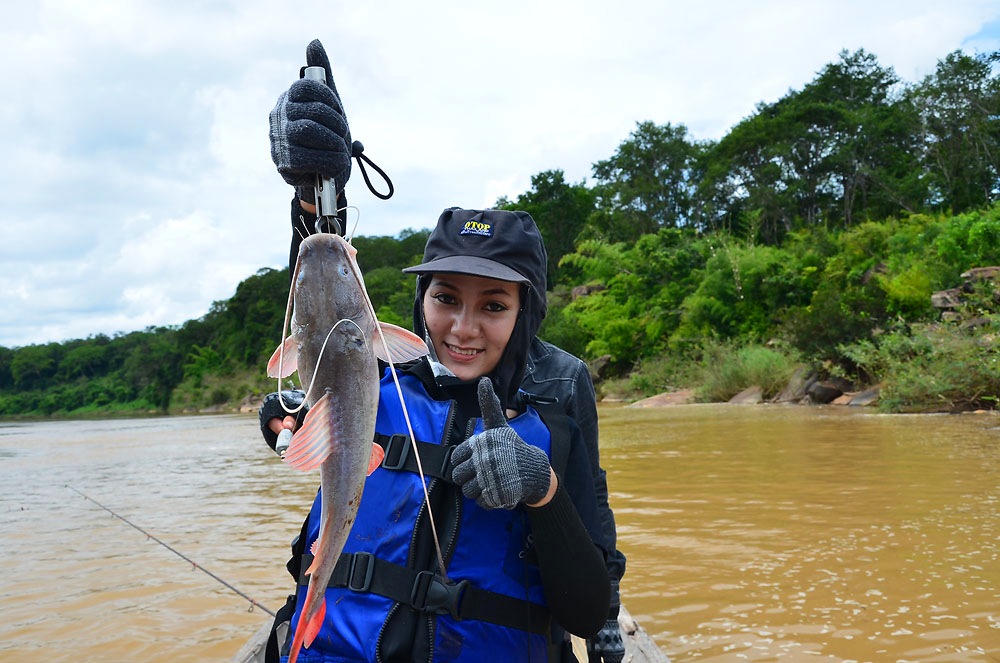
[{"x": 308, "y": 629}]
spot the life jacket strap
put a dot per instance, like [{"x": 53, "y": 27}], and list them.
[
  {"x": 428, "y": 592},
  {"x": 434, "y": 458}
]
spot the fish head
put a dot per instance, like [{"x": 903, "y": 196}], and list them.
[
  {"x": 328, "y": 285},
  {"x": 331, "y": 314}
]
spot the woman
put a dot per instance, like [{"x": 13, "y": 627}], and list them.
[
  {"x": 513, "y": 500},
  {"x": 514, "y": 504}
]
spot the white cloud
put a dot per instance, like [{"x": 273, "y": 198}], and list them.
[{"x": 136, "y": 185}]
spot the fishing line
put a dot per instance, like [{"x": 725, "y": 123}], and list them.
[
  {"x": 416, "y": 455},
  {"x": 253, "y": 602},
  {"x": 399, "y": 391},
  {"x": 402, "y": 406},
  {"x": 312, "y": 382},
  {"x": 357, "y": 220}
]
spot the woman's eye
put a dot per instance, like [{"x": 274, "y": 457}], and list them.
[
  {"x": 443, "y": 298},
  {"x": 495, "y": 307}
]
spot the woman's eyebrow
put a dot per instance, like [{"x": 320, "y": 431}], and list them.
[
  {"x": 492, "y": 292},
  {"x": 497, "y": 291}
]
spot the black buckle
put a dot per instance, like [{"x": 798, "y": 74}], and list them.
[
  {"x": 431, "y": 593},
  {"x": 391, "y": 450},
  {"x": 369, "y": 570}
]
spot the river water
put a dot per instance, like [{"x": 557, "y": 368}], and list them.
[{"x": 754, "y": 533}]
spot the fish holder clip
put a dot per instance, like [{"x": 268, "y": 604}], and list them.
[{"x": 325, "y": 189}]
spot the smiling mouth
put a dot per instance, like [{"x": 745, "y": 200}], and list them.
[{"x": 465, "y": 352}]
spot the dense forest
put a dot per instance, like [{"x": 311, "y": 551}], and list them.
[{"x": 813, "y": 233}]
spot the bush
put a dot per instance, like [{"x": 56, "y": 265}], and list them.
[
  {"x": 559, "y": 328},
  {"x": 666, "y": 373},
  {"x": 726, "y": 369},
  {"x": 219, "y": 396},
  {"x": 934, "y": 367},
  {"x": 645, "y": 283}
]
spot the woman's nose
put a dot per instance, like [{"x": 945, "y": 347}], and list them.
[{"x": 465, "y": 323}]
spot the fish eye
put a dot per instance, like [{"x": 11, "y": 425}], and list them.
[{"x": 343, "y": 270}]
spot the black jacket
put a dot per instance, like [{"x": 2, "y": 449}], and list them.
[{"x": 555, "y": 374}]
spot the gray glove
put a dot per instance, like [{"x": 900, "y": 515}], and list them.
[
  {"x": 607, "y": 645},
  {"x": 496, "y": 467},
  {"x": 309, "y": 131}
]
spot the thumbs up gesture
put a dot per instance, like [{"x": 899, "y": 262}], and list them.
[{"x": 496, "y": 467}]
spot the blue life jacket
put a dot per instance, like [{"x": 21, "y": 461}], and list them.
[{"x": 490, "y": 608}]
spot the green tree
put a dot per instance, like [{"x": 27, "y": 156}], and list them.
[
  {"x": 382, "y": 260},
  {"x": 836, "y": 152},
  {"x": 392, "y": 294},
  {"x": 559, "y": 209},
  {"x": 647, "y": 185},
  {"x": 742, "y": 294},
  {"x": 967, "y": 240},
  {"x": 154, "y": 365},
  {"x": 201, "y": 361},
  {"x": 868, "y": 143},
  {"x": 637, "y": 304},
  {"x": 403, "y": 250},
  {"x": 88, "y": 358},
  {"x": 6, "y": 377},
  {"x": 741, "y": 192},
  {"x": 959, "y": 105},
  {"x": 34, "y": 366},
  {"x": 247, "y": 327}
]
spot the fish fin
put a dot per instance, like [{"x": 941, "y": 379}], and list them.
[
  {"x": 293, "y": 655},
  {"x": 314, "y": 624},
  {"x": 378, "y": 453},
  {"x": 307, "y": 632},
  {"x": 290, "y": 363},
  {"x": 403, "y": 344},
  {"x": 313, "y": 443}
]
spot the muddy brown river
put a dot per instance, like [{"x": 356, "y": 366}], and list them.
[{"x": 756, "y": 533}]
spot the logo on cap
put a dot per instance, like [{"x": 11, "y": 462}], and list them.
[{"x": 477, "y": 228}]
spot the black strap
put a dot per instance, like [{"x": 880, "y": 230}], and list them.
[
  {"x": 272, "y": 653},
  {"x": 434, "y": 458},
  {"x": 428, "y": 592},
  {"x": 357, "y": 149}
]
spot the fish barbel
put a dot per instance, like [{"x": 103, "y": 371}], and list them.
[{"x": 335, "y": 345}]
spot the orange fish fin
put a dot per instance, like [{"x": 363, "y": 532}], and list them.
[
  {"x": 307, "y": 631},
  {"x": 313, "y": 550},
  {"x": 378, "y": 453},
  {"x": 403, "y": 344},
  {"x": 290, "y": 363},
  {"x": 293, "y": 655},
  {"x": 313, "y": 443},
  {"x": 314, "y": 625}
]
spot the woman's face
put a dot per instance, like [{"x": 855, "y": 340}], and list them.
[{"x": 470, "y": 319}]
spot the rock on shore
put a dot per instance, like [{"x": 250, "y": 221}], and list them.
[{"x": 804, "y": 388}]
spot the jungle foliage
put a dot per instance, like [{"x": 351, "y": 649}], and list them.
[{"x": 814, "y": 231}]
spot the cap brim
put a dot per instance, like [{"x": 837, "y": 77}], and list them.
[{"x": 471, "y": 265}]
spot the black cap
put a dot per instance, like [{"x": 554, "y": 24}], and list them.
[{"x": 491, "y": 243}]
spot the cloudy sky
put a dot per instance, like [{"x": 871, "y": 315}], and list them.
[{"x": 137, "y": 186}]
